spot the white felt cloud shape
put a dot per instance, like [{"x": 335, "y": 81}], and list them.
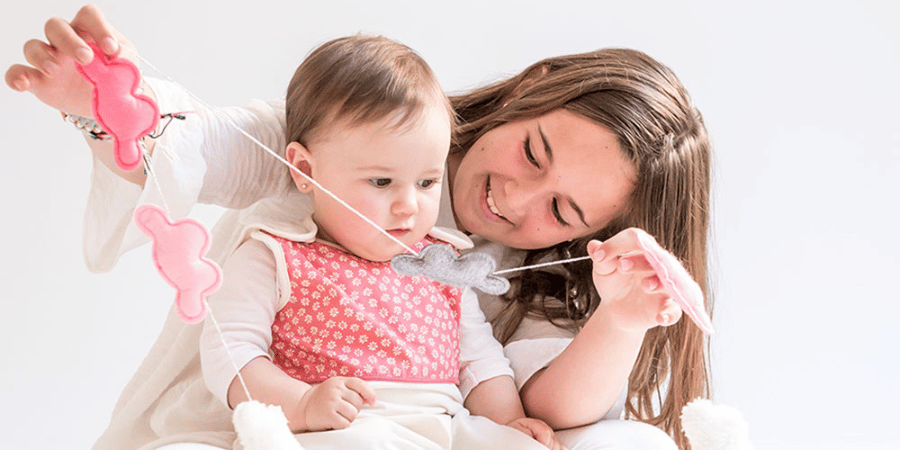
[{"x": 441, "y": 263}]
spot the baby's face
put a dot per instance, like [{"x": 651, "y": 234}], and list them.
[{"x": 390, "y": 174}]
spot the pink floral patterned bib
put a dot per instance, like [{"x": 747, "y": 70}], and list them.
[{"x": 351, "y": 317}]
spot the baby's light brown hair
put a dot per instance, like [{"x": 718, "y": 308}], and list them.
[{"x": 355, "y": 80}]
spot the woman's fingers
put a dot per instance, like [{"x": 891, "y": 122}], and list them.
[
  {"x": 42, "y": 57},
  {"x": 62, "y": 37},
  {"x": 22, "y": 78},
  {"x": 634, "y": 262},
  {"x": 90, "y": 21},
  {"x": 609, "y": 257},
  {"x": 71, "y": 39},
  {"x": 669, "y": 314}
]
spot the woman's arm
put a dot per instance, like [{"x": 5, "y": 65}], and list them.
[
  {"x": 51, "y": 75},
  {"x": 581, "y": 384},
  {"x": 203, "y": 159}
]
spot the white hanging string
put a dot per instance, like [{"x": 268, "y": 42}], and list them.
[
  {"x": 155, "y": 180},
  {"x": 535, "y": 266},
  {"x": 219, "y": 332},
  {"x": 279, "y": 157},
  {"x": 315, "y": 183},
  {"x": 152, "y": 176}
]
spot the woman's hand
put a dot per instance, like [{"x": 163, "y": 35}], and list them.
[
  {"x": 538, "y": 430},
  {"x": 631, "y": 293},
  {"x": 51, "y": 75},
  {"x": 333, "y": 404}
]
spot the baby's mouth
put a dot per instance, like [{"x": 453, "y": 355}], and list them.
[{"x": 399, "y": 232}]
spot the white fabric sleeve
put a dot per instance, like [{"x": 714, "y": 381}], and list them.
[
  {"x": 244, "y": 308},
  {"x": 481, "y": 356},
  {"x": 200, "y": 159}
]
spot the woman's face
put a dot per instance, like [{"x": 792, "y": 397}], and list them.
[{"x": 538, "y": 182}]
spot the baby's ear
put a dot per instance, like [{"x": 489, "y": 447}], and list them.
[{"x": 298, "y": 155}]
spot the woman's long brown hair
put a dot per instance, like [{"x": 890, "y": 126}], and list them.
[{"x": 663, "y": 135}]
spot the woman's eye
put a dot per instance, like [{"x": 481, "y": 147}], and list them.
[
  {"x": 380, "y": 182},
  {"x": 529, "y": 154},
  {"x": 554, "y": 206},
  {"x": 425, "y": 184}
]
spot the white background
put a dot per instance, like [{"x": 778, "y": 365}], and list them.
[{"x": 801, "y": 100}]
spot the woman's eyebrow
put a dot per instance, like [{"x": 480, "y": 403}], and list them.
[
  {"x": 547, "y": 148},
  {"x": 578, "y": 211}
]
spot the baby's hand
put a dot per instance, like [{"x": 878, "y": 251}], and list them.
[
  {"x": 334, "y": 403},
  {"x": 538, "y": 430}
]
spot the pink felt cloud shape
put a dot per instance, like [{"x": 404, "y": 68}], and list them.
[
  {"x": 676, "y": 281},
  {"x": 179, "y": 250},
  {"x": 121, "y": 112}
]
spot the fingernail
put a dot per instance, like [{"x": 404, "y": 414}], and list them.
[
  {"x": 109, "y": 44},
  {"x": 20, "y": 85},
  {"x": 598, "y": 255},
  {"x": 84, "y": 55},
  {"x": 626, "y": 264}
]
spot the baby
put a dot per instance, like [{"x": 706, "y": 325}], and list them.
[{"x": 318, "y": 322}]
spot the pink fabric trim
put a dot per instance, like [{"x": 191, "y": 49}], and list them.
[
  {"x": 676, "y": 281},
  {"x": 179, "y": 250},
  {"x": 122, "y": 113}
]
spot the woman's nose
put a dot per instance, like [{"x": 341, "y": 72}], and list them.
[{"x": 523, "y": 194}]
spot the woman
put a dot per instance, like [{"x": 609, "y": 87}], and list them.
[{"x": 580, "y": 147}]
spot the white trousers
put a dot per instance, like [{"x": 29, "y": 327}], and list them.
[{"x": 603, "y": 435}]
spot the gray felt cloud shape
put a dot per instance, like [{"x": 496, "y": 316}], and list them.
[{"x": 441, "y": 263}]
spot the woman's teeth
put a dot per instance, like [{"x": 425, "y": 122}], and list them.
[{"x": 491, "y": 205}]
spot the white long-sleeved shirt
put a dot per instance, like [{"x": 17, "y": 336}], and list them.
[
  {"x": 256, "y": 286},
  {"x": 205, "y": 159}
]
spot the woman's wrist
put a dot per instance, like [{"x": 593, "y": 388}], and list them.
[{"x": 609, "y": 317}]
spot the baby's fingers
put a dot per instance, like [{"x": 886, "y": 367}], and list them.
[
  {"x": 364, "y": 392},
  {"x": 345, "y": 413}
]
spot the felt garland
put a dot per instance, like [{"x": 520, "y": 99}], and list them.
[{"x": 180, "y": 246}]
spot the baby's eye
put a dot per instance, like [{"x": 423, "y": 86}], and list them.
[
  {"x": 425, "y": 184},
  {"x": 380, "y": 182}
]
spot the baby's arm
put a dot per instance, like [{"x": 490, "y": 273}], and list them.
[
  {"x": 330, "y": 405},
  {"x": 245, "y": 307},
  {"x": 485, "y": 377}
]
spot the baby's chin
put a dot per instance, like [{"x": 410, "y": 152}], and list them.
[{"x": 384, "y": 253}]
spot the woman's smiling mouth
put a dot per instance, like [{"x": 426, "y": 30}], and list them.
[{"x": 489, "y": 199}]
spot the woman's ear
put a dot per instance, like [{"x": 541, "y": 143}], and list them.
[{"x": 299, "y": 156}]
